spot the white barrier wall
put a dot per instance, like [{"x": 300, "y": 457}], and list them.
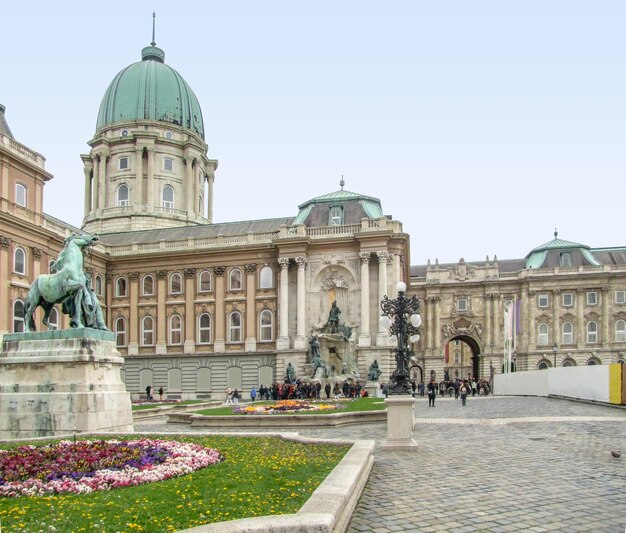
[{"x": 583, "y": 382}]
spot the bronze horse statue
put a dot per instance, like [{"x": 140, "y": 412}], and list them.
[{"x": 65, "y": 284}]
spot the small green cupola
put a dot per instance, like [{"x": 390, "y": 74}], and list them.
[
  {"x": 560, "y": 253},
  {"x": 338, "y": 208}
]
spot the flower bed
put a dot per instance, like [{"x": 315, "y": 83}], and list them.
[
  {"x": 285, "y": 406},
  {"x": 86, "y": 466},
  {"x": 154, "y": 403}
]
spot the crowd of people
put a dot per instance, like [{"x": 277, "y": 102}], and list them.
[
  {"x": 461, "y": 388},
  {"x": 300, "y": 390}
]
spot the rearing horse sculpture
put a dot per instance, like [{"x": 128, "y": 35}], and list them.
[{"x": 67, "y": 281}]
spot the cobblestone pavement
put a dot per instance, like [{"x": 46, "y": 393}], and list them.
[{"x": 499, "y": 464}]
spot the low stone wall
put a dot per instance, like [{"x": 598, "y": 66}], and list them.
[
  {"x": 276, "y": 421},
  {"x": 599, "y": 383}
]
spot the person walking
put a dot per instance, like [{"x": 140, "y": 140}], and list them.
[
  {"x": 161, "y": 393},
  {"x": 432, "y": 393},
  {"x": 253, "y": 393},
  {"x": 464, "y": 390}
]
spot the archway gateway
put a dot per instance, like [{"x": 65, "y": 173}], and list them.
[{"x": 463, "y": 358}]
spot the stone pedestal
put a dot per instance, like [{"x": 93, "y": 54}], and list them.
[
  {"x": 62, "y": 382},
  {"x": 399, "y": 423}
]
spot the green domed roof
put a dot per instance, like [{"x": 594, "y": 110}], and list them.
[
  {"x": 537, "y": 256},
  {"x": 151, "y": 90}
]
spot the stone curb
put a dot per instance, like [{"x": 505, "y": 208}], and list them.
[
  {"x": 265, "y": 421},
  {"x": 329, "y": 508}
]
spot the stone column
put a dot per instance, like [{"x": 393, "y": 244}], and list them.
[
  {"x": 531, "y": 327},
  {"x": 190, "y": 315},
  {"x": 102, "y": 188},
  {"x": 108, "y": 294},
  {"x": 197, "y": 176},
  {"x": 496, "y": 324},
  {"x": 87, "y": 206},
  {"x": 283, "y": 327},
  {"x": 556, "y": 329},
  {"x": 382, "y": 339},
  {"x": 219, "y": 345},
  {"x": 5, "y": 305},
  {"x": 161, "y": 337},
  {"x": 396, "y": 270},
  {"x": 96, "y": 183},
  {"x": 251, "y": 314},
  {"x": 364, "y": 335},
  {"x": 137, "y": 198},
  {"x": 607, "y": 338},
  {"x": 488, "y": 332},
  {"x": 133, "y": 317},
  {"x": 188, "y": 186},
  {"x": 581, "y": 332},
  {"x": 209, "y": 199},
  {"x": 150, "y": 180},
  {"x": 437, "y": 313},
  {"x": 300, "y": 342}
]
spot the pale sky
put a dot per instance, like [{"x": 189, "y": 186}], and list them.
[{"x": 481, "y": 125}]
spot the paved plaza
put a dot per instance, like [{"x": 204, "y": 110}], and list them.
[{"x": 499, "y": 464}]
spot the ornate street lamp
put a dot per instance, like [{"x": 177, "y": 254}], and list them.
[
  {"x": 402, "y": 319},
  {"x": 555, "y": 348}
]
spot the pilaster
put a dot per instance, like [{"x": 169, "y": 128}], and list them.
[
  {"x": 251, "y": 314},
  {"x": 190, "y": 293},
  {"x": 365, "y": 338},
  {"x": 219, "y": 345},
  {"x": 133, "y": 318},
  {"x": 283, "y": 342},
  {"x": 300, "y": 342},
  {"x": 161, "y": 344}
]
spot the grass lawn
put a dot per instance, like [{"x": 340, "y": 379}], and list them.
[
  {"x": 259, "y": 476},
  {"x": 359, "y": 404}
]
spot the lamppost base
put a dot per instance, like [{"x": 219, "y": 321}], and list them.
[{"x": 399, "y": 424}]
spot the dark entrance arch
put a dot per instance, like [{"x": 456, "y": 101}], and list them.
[{"x": 476, "y": 371}]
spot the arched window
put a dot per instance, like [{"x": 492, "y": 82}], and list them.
[
  {"x": 204, "y": 281},
  {"x": 234, "y": 327},
  {"x": 53, "y": 319},
  {"x": 147, "y": 331},
  {"x": 620, "y": 331},
  {"x": 569, "y": 362},
  {"x": 147, "y": 287},
  {"x": 568, "y": 333},
  {"x": 204, "y": 328},
  {"x": 99, "y": 285},
  {"x": 542, "y": 337},
  {"x": 266, "y": 324},
  {"x": 593, "y": 362},
  {"x": 19, "y": 261},
  {"x": 18, "y": 316},
  {"x": 122, "y": 195},
  {"x": 168, "y": 197},
  {"x": 20, "y": 194},
  {"x": 176, "y": 329},
  {"x": 235, "y": 280},
  {"x": 543, "y": 365},
  {"x": 120, "y": 332},
  {"x": 266, "y": 278},
  {"x": 176, "y": 283},
  {"x": 592, "y": 332},
  {"x": 120, "y": 287}
]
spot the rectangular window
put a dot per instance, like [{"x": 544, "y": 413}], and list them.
[
  {"x": 461, "y": 304},
  {"x": 123, "y": 163},
  {"x": 620, "y": 297},
  {"x": 568, "y": 299},
  {"x": 592, "y": 298},
  {"x": 565, "y": 259},
  {"x": 543, "y": 300},
  {"x": 168, "y": 164}
]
